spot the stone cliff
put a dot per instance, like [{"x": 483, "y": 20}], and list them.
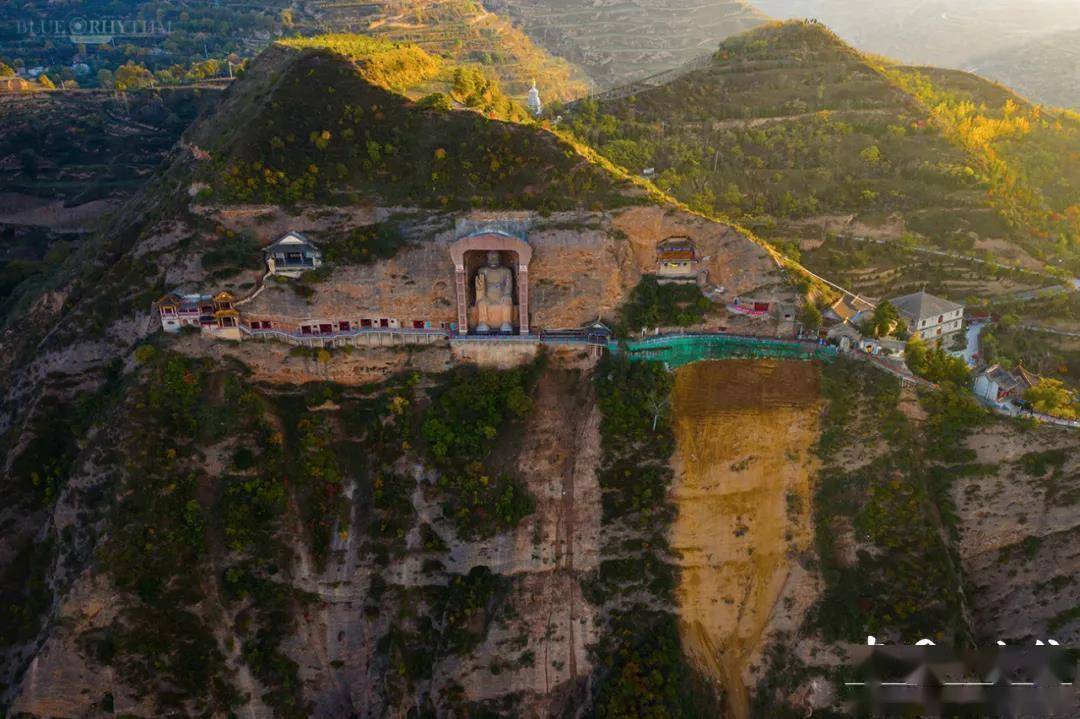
[
  {"x": 584, "y": 266},
  {"x": 534, "y": 655}
]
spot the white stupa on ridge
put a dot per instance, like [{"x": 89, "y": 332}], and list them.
[{"x": 535, "y": 106}]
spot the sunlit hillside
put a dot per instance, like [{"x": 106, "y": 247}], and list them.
[
  {"x": 797, "y": 135},
  {"x": 460, "y": 30},
  {"x": 380, "y": 121}
]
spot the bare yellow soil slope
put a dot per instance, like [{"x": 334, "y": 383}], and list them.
[{"x": 743, "y": 469}]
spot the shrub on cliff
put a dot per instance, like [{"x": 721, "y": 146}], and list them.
[
  {"x": 362, "y": 245},
  {"x": 934, "y": 363},
  {"x": 461, "y": 428},
  {"x": 652, "y": 304}
]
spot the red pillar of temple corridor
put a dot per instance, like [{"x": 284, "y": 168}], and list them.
[
  {"x": 523, "y": 299},
  {"x": 461, "y": 283}
]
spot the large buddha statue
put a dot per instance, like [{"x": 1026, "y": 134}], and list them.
[{"x": 494, "y": 296}]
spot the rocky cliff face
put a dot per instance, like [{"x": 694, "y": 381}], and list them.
[
  {"x": 584, "y": 264},
  {"x": 530, "y": 653},
  {"x": 1019, "y": 535},
  {"x": 927, "y": 525}
]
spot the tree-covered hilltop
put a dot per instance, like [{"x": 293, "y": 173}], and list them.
[
  {"x": 390, "y": 65},
  {"x": 795, "y": 134},
  {"x": 348, "y": 118},
  {"x": 785, "y": 123}
]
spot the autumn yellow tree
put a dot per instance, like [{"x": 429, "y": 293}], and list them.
[
  {"x": 1051, "y": 396},
  {"x": 132, "y": 76}
]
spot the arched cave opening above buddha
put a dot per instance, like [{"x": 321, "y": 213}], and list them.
[{"x": 491, "y": 270}]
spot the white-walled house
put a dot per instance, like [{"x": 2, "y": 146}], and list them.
[
  {"x": 929, "y": 318},
  {"x": 997, "y": 385},
  {"x": 291, "y": 255}
]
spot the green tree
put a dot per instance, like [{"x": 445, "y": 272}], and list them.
[
  {"x": 810, "y": 316},
  {"x": 733, "y": 195},
  {"x": 631, "y": 154},
  {"x": 935, "y": 364},
  {"x": 436, "y": 101},
  {"x": 915, "y": 354},
  {"x": 885, "y": 321}
]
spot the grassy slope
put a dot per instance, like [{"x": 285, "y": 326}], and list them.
[
  {"x": 789, "y": 124},
  {"x": 1027, "y": 153}
]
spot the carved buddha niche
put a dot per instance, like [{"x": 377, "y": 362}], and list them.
[{"x": 494, "y": 296}]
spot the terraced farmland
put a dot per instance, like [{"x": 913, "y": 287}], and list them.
[
  {"x": 625, "y": 40},
  {"x": 796, "y": 135},
  {"x": 463, "y": 31}
]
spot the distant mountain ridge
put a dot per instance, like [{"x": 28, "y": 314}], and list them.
[
  {"x": 1045, "y": 69},
  {"x": 946, "y": 33},
  {"x": 1030, "y": 45},
  {"x": 624, "y": 40}
]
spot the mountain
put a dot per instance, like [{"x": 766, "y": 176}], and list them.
[
  {"x": 69, "y": 159},
  {"x": 949, "y": 33},
  {"x": 334, "y": 524},
  {"x": 274, "y": 157},
  {"x": 618, "y": 42},
  {"x": 1045, "y": 69},
  {"x": 195, "y": 526},
  {"x": 793, "y": 133}
]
